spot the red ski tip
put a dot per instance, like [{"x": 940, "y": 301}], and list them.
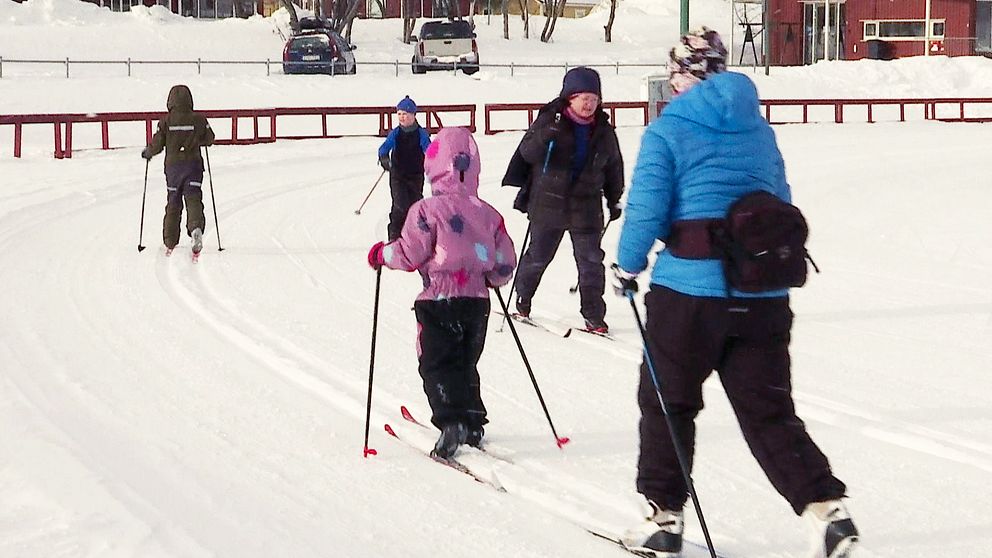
[
  {"x": 406, "y": 414},
  {"x": 369, "y": 451},
  {"x": 563, "y": 440},
  {"x": 389, "y": 430}
]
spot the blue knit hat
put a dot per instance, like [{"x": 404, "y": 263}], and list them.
[
  {"x": 407, "y": 105},
  {"x": 580, "y": 80}
]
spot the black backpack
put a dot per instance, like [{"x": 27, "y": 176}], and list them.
[{"x": 762, "y": 244}]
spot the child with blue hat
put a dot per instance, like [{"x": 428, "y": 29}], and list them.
[{"x": 402, "y": 156}]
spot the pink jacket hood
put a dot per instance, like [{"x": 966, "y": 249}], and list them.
[{"x": 452, "y": 163}]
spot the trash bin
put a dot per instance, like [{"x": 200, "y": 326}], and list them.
[{"x": 656, "y": 90}]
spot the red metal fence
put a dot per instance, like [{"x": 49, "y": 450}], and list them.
[
  {"x": 532, "y": 108},
  {"x": 264, "y": 123},
  {"x": 265, "y": 129}
]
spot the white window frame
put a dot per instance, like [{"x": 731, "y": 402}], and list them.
[{"x": 877, "y": 25}]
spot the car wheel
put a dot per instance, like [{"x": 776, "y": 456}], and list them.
[
  {"x": 416, "y": 68},
  {"x": 469, "y": 70}
]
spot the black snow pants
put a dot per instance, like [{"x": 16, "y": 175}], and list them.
[
  {"x": 406, "y": 189},
  {"x": 541, "y": 249},
  {"x": 452, "y": 334},
  {"x": 184, "y": 181},
  {"x": 746, "y": 340}
]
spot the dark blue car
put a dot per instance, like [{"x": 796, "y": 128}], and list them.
[{"x": 317, "y": 51}]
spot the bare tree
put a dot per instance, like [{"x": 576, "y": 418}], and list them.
[
  {"x": 609, "y": 23},
  {"x": 554, "y": 8},
  {"x": 343, "y": 14},
  {"x": 454, "y": 9},
  {"x": 294, "y": 22},
  {"x": 505, "y": 5},
  {"x": 525, "y": 16},
  {"x": 471, "y": 13},
  {"x": 409, "y": 16}
]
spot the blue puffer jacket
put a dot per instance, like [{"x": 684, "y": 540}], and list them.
[{"x": 710, "y": 147}]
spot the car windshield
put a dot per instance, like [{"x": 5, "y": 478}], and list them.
[
  {"x": 452, "y": 30},
  {"x": 311, "y": 41}
]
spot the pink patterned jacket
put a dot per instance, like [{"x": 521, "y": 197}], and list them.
[{"x": 457, "y": 241}]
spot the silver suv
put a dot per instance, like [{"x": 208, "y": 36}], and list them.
[{"x": 446, "y": 45}]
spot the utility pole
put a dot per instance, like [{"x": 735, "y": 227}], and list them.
[{"x": 766, "y": 45}]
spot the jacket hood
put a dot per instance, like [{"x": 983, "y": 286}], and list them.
[
  {"x": 180, "y": 98},
  {"x": 452, "y": 163},
  {"x": 727, "y": 102}
]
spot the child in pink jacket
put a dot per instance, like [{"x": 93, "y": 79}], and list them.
[{"x": 460, "y": 246}]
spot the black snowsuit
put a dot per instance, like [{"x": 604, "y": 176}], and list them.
[
  {"x": 406, "y": 176},
  {"x": 180, "y": 134},
  {"x": 562, "y": 194}
]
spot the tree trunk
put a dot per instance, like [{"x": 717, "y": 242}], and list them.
[
  {"x": 349, "y": 19},
  {"x": 525, "y": 15},
  {"x": 560, "y": 9},
  {"x": 506, "y": 18},
  {"x": 471, "y": 14},
  {"x": 609, "y": 22},
  {"x": 294, "y": 22},
  {"x": 409, "y": 19}
]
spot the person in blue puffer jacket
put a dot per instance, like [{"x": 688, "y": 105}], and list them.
[{"x": 710, "y": 147}]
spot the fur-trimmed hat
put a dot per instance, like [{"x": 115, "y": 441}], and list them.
[{"x": 699, "y": 55}]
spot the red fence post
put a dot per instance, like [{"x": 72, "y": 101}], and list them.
[
  {"x": 17, "y": 139},
  {"x": 58, "y": 139},
  {"x": 148, "y": 131},
  {"x": 105, "y": 132},
  {"x": 487, "y": 119},
  {"x": 234, "y": 128},
  {"x": 68, "y": 139}
]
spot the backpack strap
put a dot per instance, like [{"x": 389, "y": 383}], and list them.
[{"x": 696, "y": 239}]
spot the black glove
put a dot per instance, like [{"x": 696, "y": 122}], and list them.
[
  {"x": 614, "y": 212},
  {"x": 385, "y": 163},
  {"x": 625, "y": 282},
  {"x": 146, "y": 155}
]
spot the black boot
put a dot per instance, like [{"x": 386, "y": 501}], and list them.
[
  {"x": 452, "y": 436},
  {"x": 474, "y": 437}
]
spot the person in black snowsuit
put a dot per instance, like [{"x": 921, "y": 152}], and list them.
[
  {"x": 181, "y": 134},
  {"x": 566, "y": 163},
  {"x": 402, "y": 156}
]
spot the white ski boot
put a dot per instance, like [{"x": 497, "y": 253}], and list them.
[
  {"x": 197, "y": 244},
  {"x": 834, "y": 534},
  {"x": 659, "y": 534}
]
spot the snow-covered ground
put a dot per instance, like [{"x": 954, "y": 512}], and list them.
[{"x": 149, "y": 407}]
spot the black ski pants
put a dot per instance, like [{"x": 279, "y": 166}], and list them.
[
  {"x": 452, "y": 334},
  {"x": 184, "y": 181},
  {"x": 541, "y": 249},
  {"x": 405, "y": 190},
  {"x": 746, "y": 340}
]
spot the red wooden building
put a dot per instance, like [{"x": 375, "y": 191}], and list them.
[{"x": 805, "y": 31}]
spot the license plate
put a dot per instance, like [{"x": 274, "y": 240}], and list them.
[{"x": 310, "y": 57}]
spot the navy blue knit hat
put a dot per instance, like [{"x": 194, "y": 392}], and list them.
[
  {"x": 407, "y": 105},
  {"x": 581, "y": 80}
]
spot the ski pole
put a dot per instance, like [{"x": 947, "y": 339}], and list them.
[
  {"x": 359, "y": 210},
  {"x": 141, "y": 230},
  {"x": 560, "y": 440},
  {"x": 212, "y": 199},
  {"x": 375, "y": 325},
  {"x": 575, "y": 287},
  {"x": 679, "y": 450},
  {"x": 514, "y": 284}
]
